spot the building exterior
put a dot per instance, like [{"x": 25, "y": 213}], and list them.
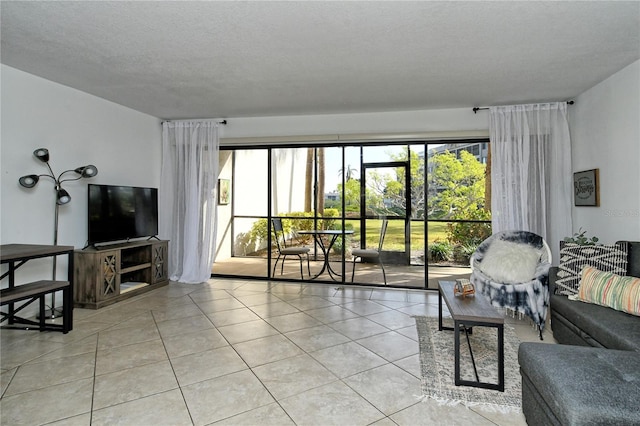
[{"x": 479, "y": 149}]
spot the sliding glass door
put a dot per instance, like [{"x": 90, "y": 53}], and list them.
[
  {"x": 347, "y": 189},
  {"x": 458, "y": 207}
]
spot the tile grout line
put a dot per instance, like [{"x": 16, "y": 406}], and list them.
[
  {"x": 171, "y": 363},
  {"x": 297, "y": 296}
]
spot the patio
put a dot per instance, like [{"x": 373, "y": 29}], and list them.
[{"x": 367, "y": 273}]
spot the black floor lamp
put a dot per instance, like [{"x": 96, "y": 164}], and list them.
[{"x": 62, "y": 197}]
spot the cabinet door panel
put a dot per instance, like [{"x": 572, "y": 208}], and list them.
[
  {"x": 109, "y": 281},
  {"x": 159, "y": 261}
]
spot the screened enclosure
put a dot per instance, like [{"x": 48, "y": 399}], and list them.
[{"x": 333, "y": 199}]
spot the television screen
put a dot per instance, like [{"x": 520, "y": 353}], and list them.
[{"x": 122, "y": 212}]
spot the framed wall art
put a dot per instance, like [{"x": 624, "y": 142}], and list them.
[
  {"x": 224, "y": 191},
  {"x": 586, "y": 188}
]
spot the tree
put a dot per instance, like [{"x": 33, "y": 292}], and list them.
[
  {"x": 350, "y": 173},
  {"x": 309, "y": 183},
  {"x": 457, "y": 191},
  {"x": 308, "y": 180},
  {"x": 392, "y": 189},
  {"x": 384, "y": 194},
  {"x": 321, "y": 172},
  {"x": 351, "y": 194},
  {"x": 456, "y": 186}
]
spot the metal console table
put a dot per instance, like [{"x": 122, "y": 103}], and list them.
[{"x": 16, "y": 255}]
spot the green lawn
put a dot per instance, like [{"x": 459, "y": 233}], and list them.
[
  {"x": 437, "y": 231},
  {"x": 394, "y": 240}
]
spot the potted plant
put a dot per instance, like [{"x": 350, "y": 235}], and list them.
[{"x": 580, "y": 238}]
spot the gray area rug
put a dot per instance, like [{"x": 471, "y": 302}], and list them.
[{"x": 437, "y": 365}]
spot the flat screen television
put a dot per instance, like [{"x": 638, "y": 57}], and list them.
[{"x": 121, "y": 212}]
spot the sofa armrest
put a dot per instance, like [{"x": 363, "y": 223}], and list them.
[
  {"x": 633, "y": 256},
  {"x": 553, "y": 275}
]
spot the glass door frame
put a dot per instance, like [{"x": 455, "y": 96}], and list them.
[
  {"x": 363, "y": 202},
  {"x": 344, "y": 145}
]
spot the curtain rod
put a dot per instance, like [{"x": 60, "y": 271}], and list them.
[
  {"x": 223, "y": 122},
  {"x": 476, "y": 109}
]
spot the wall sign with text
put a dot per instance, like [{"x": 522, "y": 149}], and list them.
[{"x": 586, "y": 191}]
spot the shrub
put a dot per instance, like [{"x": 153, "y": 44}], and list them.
[
  {"x": 330, "y": 223},
  {"x": 297, "y": 221},
  {"x": 470, "y": 233},
  {"x": 462, "y": 253},
  {"x": 303, "y": 223},
  {"x": 440, "y": 251},
  {"x": 337, "y": 246},
  {"x": 258, "y": 231}
]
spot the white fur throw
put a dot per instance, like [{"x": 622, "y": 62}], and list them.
[{"x": 510, "y": 263}]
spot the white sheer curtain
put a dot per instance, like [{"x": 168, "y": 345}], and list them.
[
  {"x": 531, "y": 170},
  {"x": 188, "y": 195}
]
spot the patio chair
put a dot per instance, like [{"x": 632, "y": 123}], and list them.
[
  {"x": 284, "y": 251},
  {"x": 511, "y": 269},
  {"x": 371, "y": 253}
]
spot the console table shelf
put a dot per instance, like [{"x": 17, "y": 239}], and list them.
[
  {"x": 109, "y": 274},
  {"x": 16, "y": 255},
  {"x": 133, "y": 268}
]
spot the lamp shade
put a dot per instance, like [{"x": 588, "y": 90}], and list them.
[
  {"x": 42, "y": 154},
  {"x": 63, "y": 197},
  {"x": 87, "y": 171},
  {"x": 29, "y": 181}
]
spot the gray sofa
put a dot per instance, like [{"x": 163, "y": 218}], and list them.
[
  {"x": 593, "y": 376},
  {"x": 586, "y": 324}
]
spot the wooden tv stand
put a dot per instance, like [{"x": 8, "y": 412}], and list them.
[{"x": 110, "y": 274}]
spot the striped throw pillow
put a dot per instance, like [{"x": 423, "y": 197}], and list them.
[{"x": 611, "y": 290}]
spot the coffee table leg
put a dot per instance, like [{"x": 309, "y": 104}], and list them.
[
  {"x": 473, "y": 360},
  {"x": 439, "y": 310},
  {"x": 456, "y": 339},
  {"x": 501, "y": 358}
]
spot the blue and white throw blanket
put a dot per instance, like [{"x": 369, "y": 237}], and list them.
[{"x": 529, "y": 297}]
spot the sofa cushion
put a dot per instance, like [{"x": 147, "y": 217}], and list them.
[
  {"x": 582, "y": 385},
  {"x": 611, "y": 290},
  {"x": 573, "y": 257},
  {"x": 609, "y": 328}
]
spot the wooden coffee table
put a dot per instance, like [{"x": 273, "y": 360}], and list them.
[{"x": 467, "y": 312}]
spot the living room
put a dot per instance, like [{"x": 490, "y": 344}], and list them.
[{"x": 126, "y": 144}]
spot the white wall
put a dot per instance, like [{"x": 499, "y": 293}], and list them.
[
  {"x": 460, "y": 122},
  {"x": 396, "y": 122},
  {"x": 78, "y": 129},
  {"x": 605, "y": 134},
  {"x": 125, "y": 145},
  {"x": 223, "y": 220}
]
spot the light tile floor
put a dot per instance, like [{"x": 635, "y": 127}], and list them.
[{"x": 233, "y": 352}]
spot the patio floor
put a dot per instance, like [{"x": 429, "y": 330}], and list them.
[{"x": 366, "y": 273}]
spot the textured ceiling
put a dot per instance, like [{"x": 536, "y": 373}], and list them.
[{"x": 231, "y": 59}]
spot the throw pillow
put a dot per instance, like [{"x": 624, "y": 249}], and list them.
[
  {"x": 507, "y": 262},
  {"x": 611, "y": 290},
  {"x": 574, "y": 257}
]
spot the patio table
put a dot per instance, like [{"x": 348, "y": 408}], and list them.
[{"x": 326, "y": 248}]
